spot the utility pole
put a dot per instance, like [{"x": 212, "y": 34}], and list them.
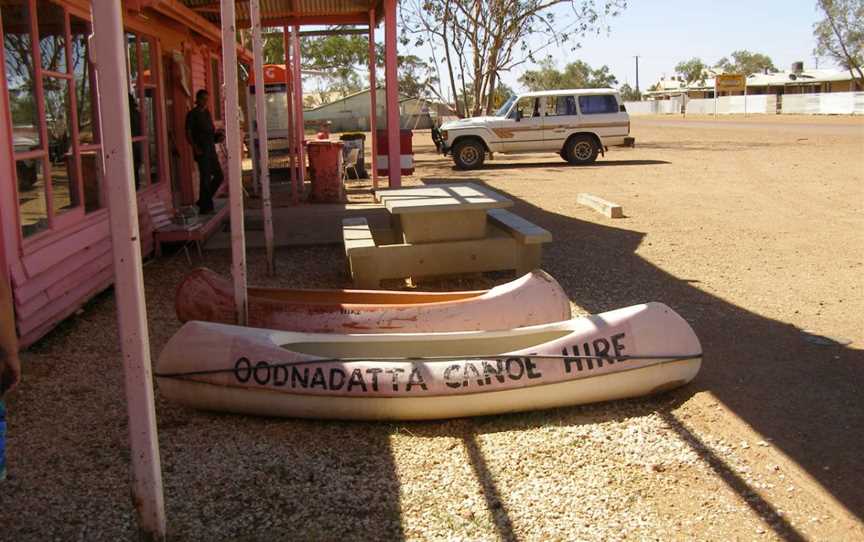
[{"x": 637, "y": 72}]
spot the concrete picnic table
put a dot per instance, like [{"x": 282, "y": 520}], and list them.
[{"x": 441, "y": 212}]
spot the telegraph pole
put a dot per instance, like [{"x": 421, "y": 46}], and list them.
[{"x": 637, "y": 72}]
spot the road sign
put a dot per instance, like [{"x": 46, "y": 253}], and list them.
[{"x": 730, "y": 82}]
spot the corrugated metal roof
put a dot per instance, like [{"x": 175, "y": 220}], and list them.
[{"x": 280, "y": 9}]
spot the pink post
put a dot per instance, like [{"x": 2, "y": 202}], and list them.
[
  {"x": 109, "y": 53},
  {"x": 232, "y": 147},
  {"x": 373, "y": 97},
  {"x": 289, "y": 99},
  {"x": 298, "y": 103},
  {"x": 261, "y": 125},
  {"x": 394, "y": 159}
]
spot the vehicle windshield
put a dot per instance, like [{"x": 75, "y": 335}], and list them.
[{"x": 506, "y": 107}]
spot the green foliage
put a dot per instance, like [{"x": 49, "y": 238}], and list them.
[
  {"x": 629, "y": 94},
  {"x": 574, "y": 75},
  {"x": 746, "y": 62},
  {"x": 840, "y": 34},
  {"x": 692, "y": 70},
  {"x": 478, "y": 40},
  {"x": 341, "y": 62}
]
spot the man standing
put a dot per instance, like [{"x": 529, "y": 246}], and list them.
[{"x": 203, "y": 137}]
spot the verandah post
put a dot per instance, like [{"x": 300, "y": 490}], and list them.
[
  {"x": 289, "y": 101},
  {"x": 110, "y": 59},
  {"x": 298, "y": 103},
  {"x": 232, "y": 144},
  {"x": 393, "y": 143},
  {"x": 373, "y": 97},
  {"x": 261, "y": 129}
]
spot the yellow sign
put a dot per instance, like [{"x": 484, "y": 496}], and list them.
[{"x": 730, "y": 82}]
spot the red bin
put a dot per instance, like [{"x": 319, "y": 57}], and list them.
[
  {"x": 406, "y": 155},
  {"x": 325, "y": 161}
]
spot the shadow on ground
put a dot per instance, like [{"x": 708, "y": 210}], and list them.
[{"x": 803, "y": 397}]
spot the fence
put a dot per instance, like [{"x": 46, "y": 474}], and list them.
[
  {"x": 833, "y": 103},
  {"x": 829, "y": 103}
]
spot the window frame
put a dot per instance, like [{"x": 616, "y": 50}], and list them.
[
  {"x": 70, "y": 220},
  {"x": 214, "y": 88},
  {"x": 55, "y": 220},
  {"x": 605, "y": 96}
]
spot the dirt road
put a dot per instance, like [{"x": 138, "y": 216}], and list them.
[{"x": 753, "y": 235}]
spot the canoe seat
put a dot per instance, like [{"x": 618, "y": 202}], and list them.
[{"x": 526, "y": 232}]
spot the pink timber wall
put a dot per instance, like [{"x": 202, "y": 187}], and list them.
[{"x": 53, "y": 281}]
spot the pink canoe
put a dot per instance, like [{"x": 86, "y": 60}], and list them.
[{"x": 535, "y": 298}]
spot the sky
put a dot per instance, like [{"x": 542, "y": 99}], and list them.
[{"x": 666, "y": 32}]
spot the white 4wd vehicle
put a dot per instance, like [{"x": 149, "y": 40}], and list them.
[{"x": 577, "y": 124}]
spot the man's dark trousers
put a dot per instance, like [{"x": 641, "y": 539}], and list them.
[{"x": 211, "y": 177}]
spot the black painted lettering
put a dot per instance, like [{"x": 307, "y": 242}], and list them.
[
  {"x": 617, "y": 346},
  {"x": 517, "y": 364},
  {"x": 356, "y": 379},
  {"x": 531, "y": 369},
  {"x": 470, "y": 368},
  {"x": 447, "y": 378},
  {"x": 243, "y": 370},
  {"x": 318, "y": 379},
  {"x": 395, "y": 373},
  {"x": 262, "y": 372},
  {"x": 587, "y": 352},
  {"x": 300, "y": 377},
  {"x": 601, "y": 348},
  {"x": 416, "y": 379},
  {"x": 498, "y": 371},
  {"x": 337, "y": 378},
  {"x": 277, "y": 371},
  {"x": 374, "y": 371},
  {"x": 569, "y": 361}
]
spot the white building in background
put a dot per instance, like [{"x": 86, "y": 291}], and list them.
[{"x": 796, "y": 80}]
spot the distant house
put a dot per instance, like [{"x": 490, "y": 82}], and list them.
[{"x": 796, "y": 80}]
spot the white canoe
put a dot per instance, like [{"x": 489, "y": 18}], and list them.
[
  {"x": 627, "y": 352},
  {"x": 535, "y": 298}
]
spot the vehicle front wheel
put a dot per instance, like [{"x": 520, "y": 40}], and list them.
[
  {"x": 469, "y": 154},
  {"x": 580, "y": 150}
]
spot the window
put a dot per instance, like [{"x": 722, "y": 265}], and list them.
[
  {"x": 42, "y": 87},
  {"x": 529, "y": 107},
  {"x": 595, "y": 105},
  {"x": 561, "y": 106},
  {"x": 145, "y": 123}
]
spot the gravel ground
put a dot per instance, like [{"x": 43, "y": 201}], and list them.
[{"x": 752, "y": 235}]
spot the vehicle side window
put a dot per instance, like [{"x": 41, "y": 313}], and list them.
[
  {"x": 560, "y": 106},
  {"x": 530, "y": 107},
  {"x": 595, "y": 105}
]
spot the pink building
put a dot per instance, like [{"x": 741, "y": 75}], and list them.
[{"x": 54, "y": 229}]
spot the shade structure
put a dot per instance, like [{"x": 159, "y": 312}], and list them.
[{"x": 291, "y": 12}]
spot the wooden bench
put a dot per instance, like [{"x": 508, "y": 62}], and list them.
[
  {"x": 511, "y": 243},
  {"x": 165, "y": 230}
]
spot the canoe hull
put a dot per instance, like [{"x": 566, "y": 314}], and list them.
[
  {"x": 535, "y": 298},
  {"x": 623, "y": 385},
  {"x": 273, "y": 373}
]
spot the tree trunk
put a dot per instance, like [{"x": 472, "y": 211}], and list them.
[{"x": 460, "y": 112}]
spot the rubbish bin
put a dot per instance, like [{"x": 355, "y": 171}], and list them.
[
  {"x": 325, "y": 163},
  {"x": 406, "y": 158},
  {"x": 355, "y": 141}
]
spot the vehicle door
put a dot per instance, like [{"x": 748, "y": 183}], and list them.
[
  {"x": 600, "y": 113},
  {"x": 562, "y": 119},
  {"x": 522, "y": 130}
]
